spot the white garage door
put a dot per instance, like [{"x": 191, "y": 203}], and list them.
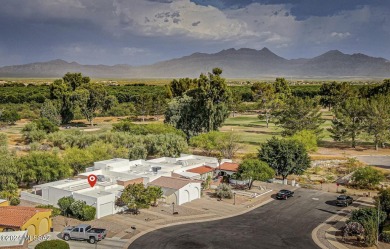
[{"x": 106, "y": 209}]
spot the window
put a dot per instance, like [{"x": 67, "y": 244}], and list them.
[
  {"x": 81, "y": 230},
  {"x": 75, "y": 230}
]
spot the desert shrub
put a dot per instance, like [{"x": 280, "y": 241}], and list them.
[
  {"x": 54, "y": 210},
  {"x": 224, "y": 191},
  {"x": 50, "y": 244},
  {"x": 308, "y": 138},
  {"x": 77, "y": 208},
  {"x": 367, "y": 177},
  {"x": 64, "y": 203},
  {"x": 386, "y": 236},
  {"x": 14, "y": 201},
  {"x": 88, "y": 213}
]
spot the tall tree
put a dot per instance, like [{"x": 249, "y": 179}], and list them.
[
  {"x": 299, "y": 114},
  {"x": 204, "y": 109},
  {"x": 136, "y": 196},
  {"x": 334, "y": 93},
  {"x": 49, "y": 110},
  {"x": 264, "y": 94},
  {"x": 63, "y": 91},
  {"x": 377, "y": 113},
  {"x": 285, "y": 156},
  {"x": 92, "y": 98},
  {"x": 255, "y": 170},
  {"x": 349, "y": 120},
  {"x": 143, "y": 105}
]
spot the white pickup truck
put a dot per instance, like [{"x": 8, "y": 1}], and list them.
[{"x": 84, "y": 232}]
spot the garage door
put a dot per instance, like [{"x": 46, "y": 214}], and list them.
[
  {"x": 106, "y": 209},
  {"x": 43, "y": 226}
]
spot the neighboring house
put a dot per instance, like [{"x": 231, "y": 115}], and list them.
[
  {"x": 227, "y": 168},
  {"x": 178, "y": 190},
  {"x": 3, "y": 203},
  {"x": 36, "y": 221},
  {"x": 19, "y": 240},
  {"x": 113, "y": 176},
  {"x": 203, "y": 171}
]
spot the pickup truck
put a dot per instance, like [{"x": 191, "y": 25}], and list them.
[{"x": 84, "y": 232}]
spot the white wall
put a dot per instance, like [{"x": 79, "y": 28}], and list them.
[{"x": 193, "y": 189}]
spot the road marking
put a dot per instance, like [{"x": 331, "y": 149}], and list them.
[{"x": 316, "y": 199}]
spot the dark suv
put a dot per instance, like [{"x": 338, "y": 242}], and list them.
[
  {"x": 284, "y": 194},
  {"x": 344, "y": 200}
]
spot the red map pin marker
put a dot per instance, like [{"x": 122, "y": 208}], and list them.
[{"x": 92, "y": 180}]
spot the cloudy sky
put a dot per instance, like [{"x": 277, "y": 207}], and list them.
[{"x": 138, "y": 32}]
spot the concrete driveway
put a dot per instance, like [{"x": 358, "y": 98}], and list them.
[
  {"x": 74, "y": 244},
  {"x": 278, "y": 224}
]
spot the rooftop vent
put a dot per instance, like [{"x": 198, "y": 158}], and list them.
[{"x": 156, "y": 169}]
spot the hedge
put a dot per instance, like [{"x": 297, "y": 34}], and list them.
[{"x": 51, "y": 244}]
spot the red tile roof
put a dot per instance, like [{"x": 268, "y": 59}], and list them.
[
  {"x": 17, "y": 216},
  {"x": 201, "y": 170},
  {"x": 171, "y": 182},
  {"x": 229, "y": 167}
]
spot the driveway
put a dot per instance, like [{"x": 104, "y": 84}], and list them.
[
  {"x": 278, "y": 224},
  {"x": 75, "y": 244}
]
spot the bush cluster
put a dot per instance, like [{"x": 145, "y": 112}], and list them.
[{"x": 50, "y": 244}]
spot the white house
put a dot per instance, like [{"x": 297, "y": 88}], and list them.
[
  {"x": 178, "y": 190},
  {"x": 115, "y": 174}
]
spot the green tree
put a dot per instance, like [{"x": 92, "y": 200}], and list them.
[
  {"x": 299, "y": 114},
  {"x": 136, "y": 196},
  {"x": 63, "y": 91},
  {"x": 307, "y": 138},
  {"x": 46, "y": 125},
  {"x": 367, "y": 177},
  {"x": 368, "y": 217},
  {"x": 224, "y": 143},
  {"x": 138, "y": 151},
  {"x": 88, "y": 213},
  {"x": 31, "y": 133},
  {"x": 50, "y": 111},
  {"x": 77, "y": 208},
  {"x": 78, "y": 159},
  {"x": 143, "y": 105},
  {"x": 333, "y": 94},
  {"x": 64, "y": 204},
  {"x": 255, "y": 170},
  {"x": 265, "y": 95},
  {"x": 235, "y": 102},
  {"x": 9, "y": 116},
  {"x": 377, "y": 114},
  {"x": 383, "y": 199},
  {"x": 179, "y": 87},
  {"x": 168, "y": 145},
  {"x": 204, "y": 109},
  {"x": 285, "y": 156},
  {"x": 349, "y": 120},
  {"x": 92, "y": 98},
  {"x": 155, "y": 193},
  {"x": 9, "y": 172},
  {"x": 41, "y": 167}
]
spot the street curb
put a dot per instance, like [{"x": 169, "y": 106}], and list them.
[
  {"x": 198, "y": 221},
  {"x": 328, "y": 236}
]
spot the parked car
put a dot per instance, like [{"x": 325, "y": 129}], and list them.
[
  {"x": 344, "y": 200},
  {"x": 284, "y": 194},
  {"x": 84, "y": 232}
]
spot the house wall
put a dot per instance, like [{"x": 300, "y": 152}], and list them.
[
  {"x": 189, "y": 193},
  {"x": 54, "y": 194},
  {"x": 39, "y": 224},
  {"x": 34, "y": 198},
  {"x": 4, "y": 203}
]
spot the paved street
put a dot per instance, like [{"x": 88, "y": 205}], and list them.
[
  {"x": 380, "y": 161},
  {"x": 278, "y": 224}
]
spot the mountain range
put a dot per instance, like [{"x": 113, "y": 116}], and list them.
[{"x": 236, "y": 63}]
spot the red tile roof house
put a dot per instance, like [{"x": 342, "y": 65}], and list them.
[
  {"x": 227, "y": 169},
  {"x": 178, "y": 190},
  {"x": 203, "y": 171}
]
